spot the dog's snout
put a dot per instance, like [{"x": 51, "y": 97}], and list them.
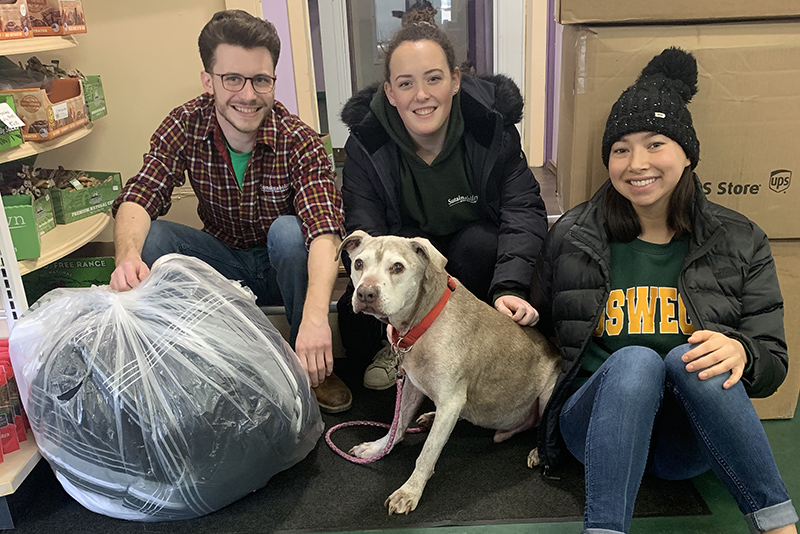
[{"x": 367, "y": 294}]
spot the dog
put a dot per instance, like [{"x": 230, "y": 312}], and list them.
[{"x": 473, "y": 362}]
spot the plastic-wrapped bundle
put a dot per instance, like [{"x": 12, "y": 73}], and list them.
[{"x": 166, "y": 402}]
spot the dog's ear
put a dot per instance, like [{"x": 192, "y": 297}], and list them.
[
  {"x": 352, "y": 242},
  {"x": 424, "y": 248}
]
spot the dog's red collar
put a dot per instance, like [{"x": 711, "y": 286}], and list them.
[{"x": 406, "y": 341}]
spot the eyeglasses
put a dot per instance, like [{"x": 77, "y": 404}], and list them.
[{"x": 262, "y": 83}]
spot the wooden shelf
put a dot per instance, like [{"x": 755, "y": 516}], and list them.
[
  {"x": 65, "y": 238},
  {"x": 17, "y": 465},
  {"x": 32, "y": 45},
  {"x": 30, "y": 148}
]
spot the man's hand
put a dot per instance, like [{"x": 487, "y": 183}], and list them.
[
  {"x": 129, "y": 273},
  {"x": 715, "y": 354},
  {"x": 313, "y": 344},
  {"x": 131, "y": 227},
  {"x": 518, "y": 309},
  {"x": 314, "y": 347}
]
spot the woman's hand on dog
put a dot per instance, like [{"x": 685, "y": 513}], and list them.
[
  {"x": 715, "y": 354},
  {"x": 518, "y": 309}
]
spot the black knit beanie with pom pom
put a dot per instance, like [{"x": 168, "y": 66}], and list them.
[{"x": 657, "y": 103}]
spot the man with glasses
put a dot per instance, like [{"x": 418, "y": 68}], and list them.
[{"x": 271, "y": 214}]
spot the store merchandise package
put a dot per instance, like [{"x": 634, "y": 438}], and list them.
[{"x": 166, "y": 402}]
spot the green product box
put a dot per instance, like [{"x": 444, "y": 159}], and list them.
[
  {"x": 68, "y": 272},
  {"x": 328, "y": 144},
  {"x": 70, "y": 206},
  {"x": 9, "y": 138},
  {"x": 43, "y": 212},
  {"x": 22, "y": 225},
  {"x": 95, "y": 97}
]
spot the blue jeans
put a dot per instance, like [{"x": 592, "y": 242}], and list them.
[
  {"x": 638, "y": 413},
  {"x": 277, "y": 275}
]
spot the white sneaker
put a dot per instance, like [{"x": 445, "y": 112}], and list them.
[{"x": 382, "y": 372}]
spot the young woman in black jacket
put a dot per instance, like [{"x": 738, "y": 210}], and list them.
[
  {"x": 668, "y": 314},
  {"x": 435, "y": 153}
]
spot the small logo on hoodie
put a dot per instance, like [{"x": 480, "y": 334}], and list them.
[{"x": 472, "y": 199}]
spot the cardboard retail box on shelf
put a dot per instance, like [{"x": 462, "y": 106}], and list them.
[
  {"x": 56, "y": 17},
  {"x": 746, "y": 112},
  {"x": 48, "y": 114},
  {"x": 27, "y": 221},
  {"x": 637, "y": 11},
  {"x": 90, "y": 265},
  {"x": 783, "y": 403},
  {"x": 72, "y": 205},
  {"x": 15, "y": 21},
  {"x": 95, "y": 97},
  {"x": 9, "y": 138}
]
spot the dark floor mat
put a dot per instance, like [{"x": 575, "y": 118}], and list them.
[{"x": 476, "y": 482}]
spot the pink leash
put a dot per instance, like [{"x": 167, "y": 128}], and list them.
[{"x": 392, "y": 432}]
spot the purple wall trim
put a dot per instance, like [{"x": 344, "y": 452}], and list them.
[
  {"x": 278, "y": 14},
  {"x": 316, "y": 44}
]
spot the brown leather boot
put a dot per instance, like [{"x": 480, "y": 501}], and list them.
[{"x": 333, "y": 396}]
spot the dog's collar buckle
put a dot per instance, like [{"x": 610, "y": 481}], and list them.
[
  {"x": 399, "y": 347},
  {"x": 403, "y": 344}
]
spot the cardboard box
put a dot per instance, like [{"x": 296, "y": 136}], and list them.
[
  {"x": 56, "y": 17},
  {"x": 328, "y": 144},
  {"x": 48, "y": 114},
  {"x": 95, "y": 97},
  {"x": 22, "y": 223},
  {"x": 73, "y": 205},
  {"x": 68, "y": 272},
  {"x": 44, "y": 214},
  {"x": 637, "y": 11},
  {"x": 9, "y": 138},
  {"x": 783, "y": 403},
  {"x": 15, "y": 22},
  {"x": 746, "y": 112}
]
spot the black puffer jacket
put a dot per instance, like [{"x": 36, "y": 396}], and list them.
[
  {"x": 507, "y": 190},
  {"x": 728, "y": 283}
]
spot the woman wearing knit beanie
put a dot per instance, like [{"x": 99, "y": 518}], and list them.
[{"x": 668, "y": 314}]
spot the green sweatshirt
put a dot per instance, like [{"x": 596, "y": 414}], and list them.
[{"x": 644, "y": 307}]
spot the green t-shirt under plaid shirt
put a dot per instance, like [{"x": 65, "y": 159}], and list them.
[{"x": 644, "y": 307}]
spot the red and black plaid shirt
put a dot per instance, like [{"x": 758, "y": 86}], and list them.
[{"x": 289, "y": 174}]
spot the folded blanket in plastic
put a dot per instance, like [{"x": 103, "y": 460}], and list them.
[{"x": 165, "y": 402}]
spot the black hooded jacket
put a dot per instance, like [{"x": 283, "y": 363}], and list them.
[
  {"x": 507, "y": 190},
  {"x": 728, "y": 282}
]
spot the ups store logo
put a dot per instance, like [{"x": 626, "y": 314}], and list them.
[{"x": 780, "y": 180}]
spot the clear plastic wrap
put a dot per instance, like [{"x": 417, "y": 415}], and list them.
[{"x": 166, "y": 402}]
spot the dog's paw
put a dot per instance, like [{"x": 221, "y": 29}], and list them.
[
  {"x": 368, "y": 449},
  {"x": 533, "y": 458},
  {"x": 402, "y": 502},
  {"x": 426, "y": 420}
]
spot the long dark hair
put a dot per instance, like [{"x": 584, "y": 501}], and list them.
[
  {"x": 419, "y": 25},
  {"x": 622, "y": 223}
]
